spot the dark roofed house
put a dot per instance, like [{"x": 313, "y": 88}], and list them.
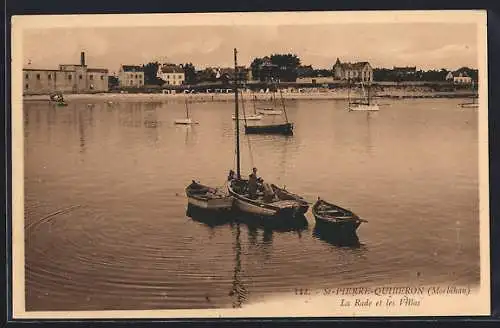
[
  {"x": 172, "y": 74},
  {"x": 131, "y": 76},
  {"x": 359, "y": 71}
]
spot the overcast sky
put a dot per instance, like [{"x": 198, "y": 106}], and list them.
[{"x": 425, "y": 45}]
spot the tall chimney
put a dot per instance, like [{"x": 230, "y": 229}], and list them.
[{"x": 82, "y": 58}]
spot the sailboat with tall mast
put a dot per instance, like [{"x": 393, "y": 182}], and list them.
[
  {"x": 187, "y": 120},
  {"x": 271, "y": 110},
  {"x": 264, "y": 205},
  {"x": 366, "y": 104},
  {"x": 285, "y": 128},
  {"x": 254, "y": 117}
]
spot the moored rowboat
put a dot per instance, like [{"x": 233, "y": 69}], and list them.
[
  {"x": 206, "y": 197},
  {"x": 336, "y": 217}
]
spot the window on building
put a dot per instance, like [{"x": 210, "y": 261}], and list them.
[
  {"x": 131, "y": 82},
  {"x": 91, "y": 76},
  {"x": 49, "y": 76},
  {"x": 27, "y": 86},
  {"x": 27, "y": 76},
  {"x": 80, "y": 76},
  {"x": 102, "y": 77},
  {"x": 69, "y": 77},
  {"x": 180, "y": 76},
  {"x": 136, "y": 76},
  {"x": 38, "y": 76}
]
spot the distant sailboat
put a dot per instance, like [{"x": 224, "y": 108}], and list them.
[
  {"x": 187, "y": 120},
  {"x": 271, "y": 110},
  {"x": 285, "y": 128},
  {"x": 365, "y": 105},
  {"x": 254, "y": 117}
]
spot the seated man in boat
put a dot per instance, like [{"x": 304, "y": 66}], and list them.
[{"x": 231, "y": 175}]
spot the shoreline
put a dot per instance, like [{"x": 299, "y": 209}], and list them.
[{"x": 215, "y": 97}]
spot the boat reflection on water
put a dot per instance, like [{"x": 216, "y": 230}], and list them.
[
  {"x": 238, "y": 291},
  {"x": 217, "y": 218},
  {"x": 210, "y": 218},
  {"x": 333, "y": 237},
  {"x": 279, "y": 224}
]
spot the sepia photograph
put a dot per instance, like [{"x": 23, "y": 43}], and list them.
[{"x": 293, "y": 164}]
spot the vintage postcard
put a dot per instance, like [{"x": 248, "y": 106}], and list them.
[{"x": 329, "y": 164}]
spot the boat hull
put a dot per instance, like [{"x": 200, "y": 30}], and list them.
[
  {"x": 342, "y": 227},
  {"x": 212, "y": 204},
  {"x": 185, "y": 121},
  {"x": 470, "y": 105},
  {"x": 284, "y": 129},
  {"x": 283, "y": 209},
  {"x": 249, "y": 118}
]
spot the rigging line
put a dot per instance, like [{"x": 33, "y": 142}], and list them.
[
  {"x": 283, "y": 104},
  {"x": 243, "y": 107}
]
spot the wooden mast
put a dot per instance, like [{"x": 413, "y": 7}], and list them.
[
  {"x": 236, "y": 113},
  {"x": 187, "y": 109}
]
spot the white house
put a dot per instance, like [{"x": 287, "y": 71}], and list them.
[
  {"x": 171, "y": 74},
  {"x": 360, "y": 71},
  {"x": 459, "y": 77}
]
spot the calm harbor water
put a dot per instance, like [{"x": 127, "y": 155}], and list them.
[{"x": 105, "y": 210}]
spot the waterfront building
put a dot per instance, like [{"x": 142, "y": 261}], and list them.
[
  {"x": 459, "y": 77},
  {"x": 131, "y": 76},
  {"x": 69, "y": 78},
  {"x": 360, "y": 71},
  {"x": 171, "y": 74}
]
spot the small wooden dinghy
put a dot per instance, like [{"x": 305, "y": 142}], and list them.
[
  {"x": 336, "y": 217},
  {"x": 209, "y": 198}
]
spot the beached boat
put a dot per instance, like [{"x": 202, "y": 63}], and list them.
[
  {"x": 208, "y": 198},
  {"x": 365, "y": 105},
  {"x": 187, "y": 120},
  {"x": 266, "y": 203},
  {"x": 336, "y": 217}
]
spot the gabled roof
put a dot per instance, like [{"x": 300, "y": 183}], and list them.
[
  {"x": 352, "y": 66},
  {"x": 132, "y": 68},
  {"x": 459, "y": 74},
  {"x": 171, "y": 69}
]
